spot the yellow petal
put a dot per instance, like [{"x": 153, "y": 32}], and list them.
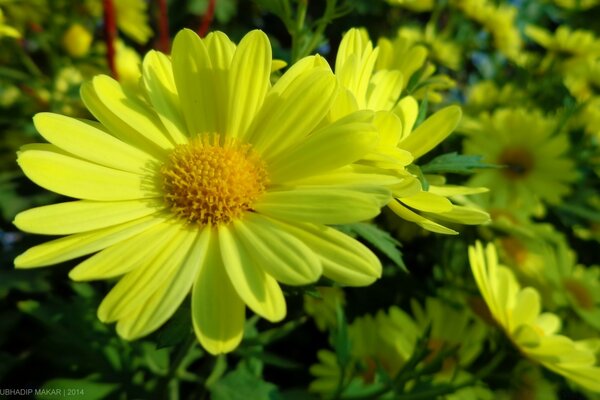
[
  {"x": 432, "y": 131},
  {"x": 407, "y": 110},
  {"x": 80, "y": 244},
  {"x": 333, "y": 146},
  {"x": 166, "y": 300},
  {"x": 281, "y": 255},
  {"x": 82, "y": 216},
  {"x": 344, "y": 259},
  {"x": 324, "y": 206},
  {"x": 217, "y": 310},
  {"x": 258, "y": 290},
  {"x": 87, "y": 142},
  {"x": 160, "y": 86},
  {"x": 526, "y": 309},
  {"x": 464, "y": 215},
  {"x": 123, "y": 257},
  {"x": 127, "y": 110},
  {"x": 288, "y": 117},
  {"x": 196, "y": 79},
  {"x": 425, "y": 201},
  {"x": 423, "y": 222},
  {"x": 249, "y": 82},
  {"x": 384, "y": 90},
  {"x": 220, "y": 49},
  {"x": 50, "y": 168},
  {"x": 132, "y": 290}
]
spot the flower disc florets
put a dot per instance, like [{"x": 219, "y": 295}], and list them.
[{"x": 210, "y": 181}]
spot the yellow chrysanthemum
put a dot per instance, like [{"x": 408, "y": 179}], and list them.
[
  {"x": 132, "y": 19},
  {"x": 499, "y": 20},
  {"x": 442, "y": 51},
  {"x": 517, "y": 311},
  {"x": 400, "y": 144},
  {"x": 211, "y": 181},
  {"x": 565, "y": 41},
  {"x": 582, "y": 78},
  {"x": 537, "y": 170},
  {"x": 128, "y": 64}
]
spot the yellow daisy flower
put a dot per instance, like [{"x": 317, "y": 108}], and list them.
[
  {"x": 77, "y": 40},
  {"x": 565, "y": 41},
  {"x": 517, "y": 311},
  {"x": 379, "y": 91},
  {"x": 444, "y": 52},
  {"x": 537, "y": 170},
  {"x": 211, "y": 181}
]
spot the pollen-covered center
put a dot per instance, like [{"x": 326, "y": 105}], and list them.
[
  {"x": 209, "y": 182},
  {"x": 519, "y": 162}
]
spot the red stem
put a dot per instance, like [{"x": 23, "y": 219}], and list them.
[
  {"x": 207, "y": 18},
  {"x": 163, "y": 27},
  {"x": 110, "y": 35}
]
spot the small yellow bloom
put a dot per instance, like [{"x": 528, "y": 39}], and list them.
[
  {"x": 77, "y": 40},
  {"x": 518, "y": 312},
  {"x": 132, "y": 19}
]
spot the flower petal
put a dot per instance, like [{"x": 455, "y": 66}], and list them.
[
  {"x": 50, "y": 168},
  {"x": 160, "y": 87},
  {"x": 423, "y": 222},
  {"x": 124, "y": 256},
  {"x": 345, "y": 260},
  {"x": 132, "y": 290},
  {"x": 432, "y": 131},
  {"x": 323, "y": 205},
  {"x": 289, "y": 116},
  {"x": 196, "y": 84},
  {"x": 164, "y": 302},
  {"x": 82, "y": 216},
  {"x": 249, "y": 82},
  {"x": 258, "y": 290},
  {"x": 407, "y": 110},
  {"x": 425, "y": 201},
  {"x": 85, "y": 141},
  {"x": 217, "y": 310},
  {"x": 80, "y": 244},
  {"x": 336, "y": 145},
  {"x": 282, "y": 255},
  {"x": 126, "y": 112}
]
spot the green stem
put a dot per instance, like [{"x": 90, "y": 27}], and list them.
[{"x": 171, "y": 388}]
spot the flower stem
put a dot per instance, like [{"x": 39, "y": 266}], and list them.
[
  {"x": 110, "y": 35},
  {"x": 207, "y": 18},
  {"x": 164, "y": 44}
]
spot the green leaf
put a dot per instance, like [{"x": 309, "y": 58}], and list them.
[
  {"x": 176, "y": 330},
  {"x": 456, "y": 163},
  {"x": 76, "y": 389},
  {"x": 242, "y": 385},
  {"x": 381, "y": 240}
]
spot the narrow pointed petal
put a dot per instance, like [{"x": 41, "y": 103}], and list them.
[
  {"x": 345, "y": 260},
  {"x": 137, "y": 286},
  {"x": 282, "y": 255},
  {"x": 423, "y": 222},
  {"x": 56, "y": 171},
  {"x": 87, "y": 142},
  {"x": 160, "y": 87},
  {"x": 249, "y": 82},
  {"x": 217, "y": 310},
  {"x": 81, "y": 244},
  {"x": 81, "y": 216},
  {"x": 259, "y": 290}
]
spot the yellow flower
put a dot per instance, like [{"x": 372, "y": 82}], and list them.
[
  {"x": 379, "y": 91},
  {"x": 517, "y": 311},
  {"x": 77, "y": 40},
  {"x": 132, "y": 19},
  {"x": 442, "y": 51},
  {"x": 565, "y": 41},
  {"x": 582, "y": 78},
  {"x": 537, "y": 170},
  {"x": 210, "y": 180}
]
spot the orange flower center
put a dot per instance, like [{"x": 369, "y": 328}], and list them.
[
  {"x": 209, "y": 181},
  {"x": 518, "y": 162}
]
